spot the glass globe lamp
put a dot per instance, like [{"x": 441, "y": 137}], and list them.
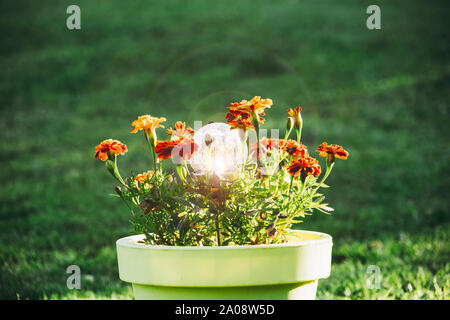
[{"x": 219, "y": 150}]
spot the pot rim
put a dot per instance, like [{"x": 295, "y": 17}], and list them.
[{"x": 131, "y": 242}]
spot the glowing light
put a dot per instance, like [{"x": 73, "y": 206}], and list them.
[{"x": 219, "y": 149}]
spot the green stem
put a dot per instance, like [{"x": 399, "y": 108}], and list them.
[
  {"x": 119, "y": 177},
  {"x": 152, "y": 150},
  {"x": 258, "y": 153},
  {"x": 327, "y": 173},
  {"x": 244, "y": 145},
  {"x": 281, "y": 230},
  {"x": 132, "y": 212},
  {"x": 154, "y": 161},
  {"x": 187, "y": 169},
  {"x": 180, "y": 174},
  {"x": 299, "y": 134},
  {"x": 290, "y": 186},
  {"x": 288, "y": 132},
  {"x": 280, "y": 151},
  {"x": 218, "y": 230},
  {"x": 255, "y": 122},
  {"x": 115, "y": 171}
]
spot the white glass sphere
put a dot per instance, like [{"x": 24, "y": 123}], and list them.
[{"x": 219, "y": 149}]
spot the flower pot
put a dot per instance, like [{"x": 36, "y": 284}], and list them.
[{"x": 276, "y": 271}]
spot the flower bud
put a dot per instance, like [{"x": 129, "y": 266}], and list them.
[
  {"x": 298, "y": 121},
  {"x": 290, "y": 122},
  {"x": 183, "y": 172},
  {"x": 118, "y": 190},
  {"x": 151, "y": 137}
]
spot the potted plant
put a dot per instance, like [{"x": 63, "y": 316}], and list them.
[{"x": 218, "y": 226}]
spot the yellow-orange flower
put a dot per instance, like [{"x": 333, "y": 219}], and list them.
[
  {"x": 147, "y": 123},
  {"x": 109, "y": 148},
  {"x": 143, "y": 179},
  {"x": 254, "y": 107},
  {"x": 295, "y": 149},
  {"x": 332, "y": 149},
  {"x": 184, "y": 147},
  {"x": 239, "y": 119},
  {"x": 180, "y": 129},
  {"x": 306, "y": 165}
]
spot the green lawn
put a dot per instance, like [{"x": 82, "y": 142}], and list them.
[{"x": 382, "y": 94}]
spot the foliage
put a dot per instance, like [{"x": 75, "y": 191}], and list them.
[{"x": 256, "y": 204}]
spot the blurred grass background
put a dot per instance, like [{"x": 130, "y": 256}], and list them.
[{"x": 382, "y": 94}]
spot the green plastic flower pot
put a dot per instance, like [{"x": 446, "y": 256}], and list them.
[{"x": 276, "y": 271}]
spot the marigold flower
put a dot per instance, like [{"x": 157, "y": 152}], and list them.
[
  {"x": 332, "y": 149},
  {"x": 147, "y": 123},
  {"x": 306, "y": 165},
  {"x": 239, "y": 119},
  {"x": 295, "y": 149},
  {"x": 143, "y": 178},
  {"x": 164, "y": 148},
  {"x": 180, "y": 129},
  {"x": 108, "y": 148},
  {"x": 254, "y": 107},
  {"x": 184, "y": 147}
]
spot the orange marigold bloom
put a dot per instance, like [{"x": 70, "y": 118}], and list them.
[
  {"x": 180, "y": 129},
  {"x": 147, "y": 123},
  {"x": 306, "y": 165},
  {"x": 238, "y": 119},
  {"x": 109, "y": 148},
  {"x": 332, "y": 149},
  {"x": 143, "y": 178},
  {"x": 255, "y": 106},
  {"x": 164, "y": 148},
  {"x": 295, "y": 149},
  {"x": 184, "y": 147}
]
